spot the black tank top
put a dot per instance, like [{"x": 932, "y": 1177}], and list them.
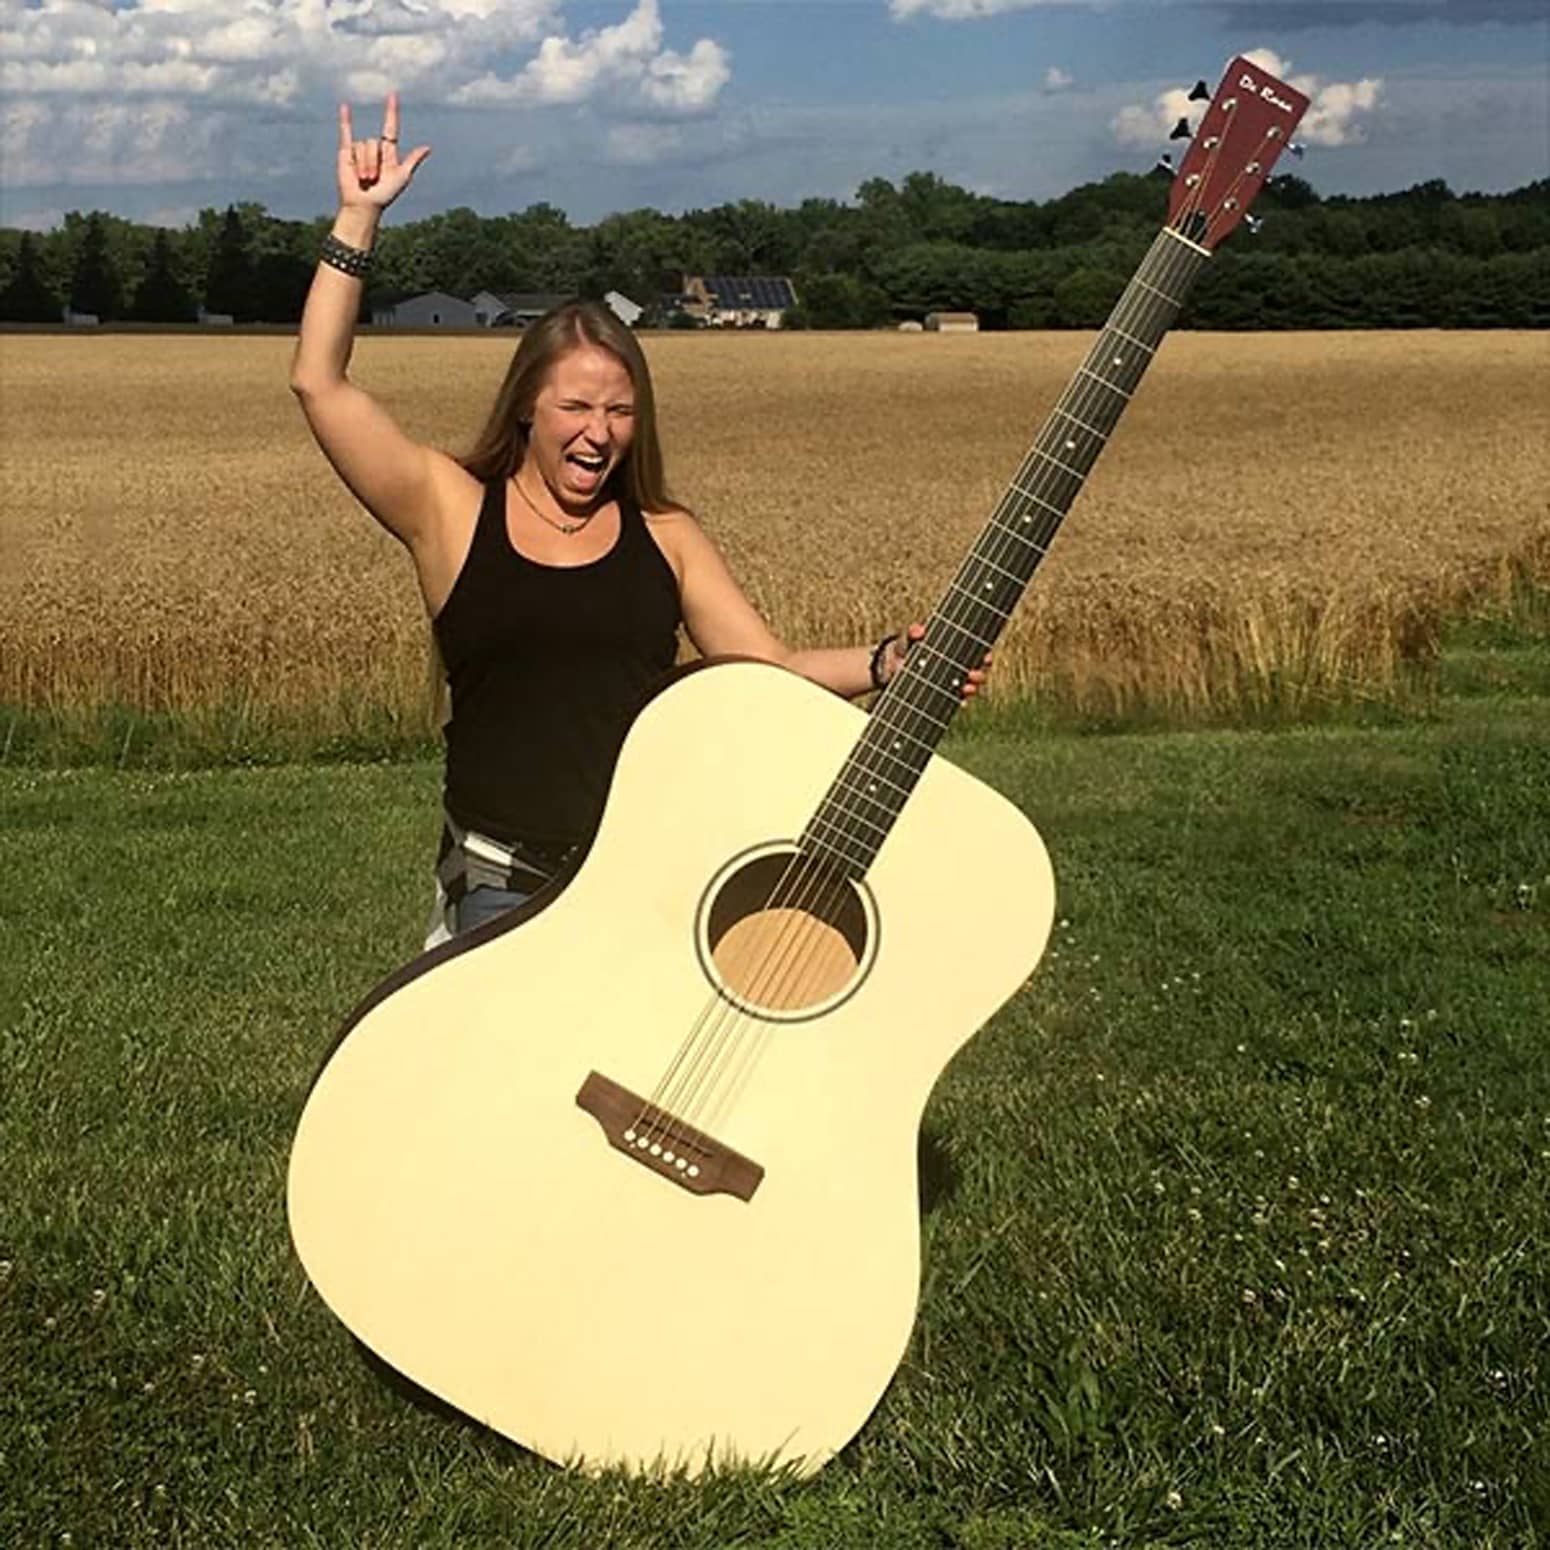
[{"x": 548, "y": 666}]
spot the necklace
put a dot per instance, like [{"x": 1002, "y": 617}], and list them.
[{"x": 567, "y": 528}]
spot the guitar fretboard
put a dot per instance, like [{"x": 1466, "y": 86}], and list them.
[{"x": 917, "y": 707}]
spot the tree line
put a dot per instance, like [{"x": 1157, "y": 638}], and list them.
[{"x": 1422, "y": 257}]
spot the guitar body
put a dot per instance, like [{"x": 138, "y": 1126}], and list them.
[{"x": 476, "y": 1226}]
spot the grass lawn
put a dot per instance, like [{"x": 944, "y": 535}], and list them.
[{"x": 1236, "y": 1219}]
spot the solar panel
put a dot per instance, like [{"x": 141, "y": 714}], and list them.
[{"x": 762, "y": 292}]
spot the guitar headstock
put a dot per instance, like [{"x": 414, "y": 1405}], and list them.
[{"x": 1247, "y": 125}]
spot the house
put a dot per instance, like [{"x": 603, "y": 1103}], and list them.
[
  {"x": 433, "y": 309},
  {"x": 79, "y": 319},
  {"x": 513, "y": 309},
  {"x": 953, "y": 322},
  {"x": 214, "y": 319},
  {"x": 738, "y": 301}
]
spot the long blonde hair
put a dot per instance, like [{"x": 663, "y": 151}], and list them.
[{"x": 501, "y": 446}]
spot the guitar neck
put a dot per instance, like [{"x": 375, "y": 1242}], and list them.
[{"x": 918, "y": 705}]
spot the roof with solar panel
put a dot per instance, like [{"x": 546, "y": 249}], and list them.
[{"x": 766, "y": 293}]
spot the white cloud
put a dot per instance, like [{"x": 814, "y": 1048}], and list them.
[
  {"x": 967, "y": 10},
  {"x": 68, "y": 67},
  {"x": 1333, "y": 116},
  {"x": 629, "y": 54},
  {"x": 638, "y": 145},
  {"x": 687, "y": 84},
  {"x": 1056, "y": 79}
]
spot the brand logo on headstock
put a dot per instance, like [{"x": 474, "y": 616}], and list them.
[{"x": 1268, "y": 93}]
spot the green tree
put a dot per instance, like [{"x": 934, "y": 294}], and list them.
[
  {"x": 839, "y": 301},
  {"x": 95, "y": 285},
  {"x": 229, "y": 281},
  {"x": 161, "y": 296},
  {"x": 1085, "y": 298},
  {"x": 27, "y": 297}
]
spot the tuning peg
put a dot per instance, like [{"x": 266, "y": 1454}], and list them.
[
  {"x": 1253, "y": 222},
  {"x": 1165, "y": 164},
  {"x": 1181, "y": 130},
  {"x": 1201, "y": 93},
  {"x": 1296, "y": 149}
]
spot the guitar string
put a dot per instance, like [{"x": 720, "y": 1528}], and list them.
[
  {"x": 807, "y": 907},
  {"x": 795, "y": 940},
  {"x": 793, "y": 937},
  {"x": 1119, "y": 322}
]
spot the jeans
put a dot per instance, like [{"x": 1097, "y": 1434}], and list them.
[{"x": 481, "y": 904}]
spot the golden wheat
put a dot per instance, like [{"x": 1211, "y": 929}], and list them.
[{"x": 1281, "y": 518}]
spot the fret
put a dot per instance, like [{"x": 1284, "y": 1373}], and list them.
[
  {"x": 1140, "y": 344},
  {"x": 838, "y": 861},
  {"x": 1023, "y": 538},
  {"x": 979, "y": 640},
  {"x": 1002, "y": 614},
  {"x": 1105, "y": 382},
  {"x": 839, "y": 840},
  {"x": 907, "y": 736},
  {"x": 981, "y": 559},
  {"x": 1038, "y": 500},
  {"x": 851, "y": 849},
  {"x": 1138, "y": 281},
  {"x": 916, "y": 710},
  {"x": 867, "y": 796},
  {"x": 921, "y": 678},
  {"x": 1040, "y": 452},
  {"x": 1092, "y": 430},
  {"x": 850, "y": 814}
]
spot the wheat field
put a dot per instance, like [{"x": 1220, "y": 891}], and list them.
[{"x": 1280, "y": 522}]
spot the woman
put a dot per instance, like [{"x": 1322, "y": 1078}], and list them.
[{"x": 554, "y": 566}]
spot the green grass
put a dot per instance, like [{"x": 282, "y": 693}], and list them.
[{"x": 1236, "y": 1219}]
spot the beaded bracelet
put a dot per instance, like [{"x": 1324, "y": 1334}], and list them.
[
  {"x": 352, "y": 261},
  {"x": 876, "y": 667}
]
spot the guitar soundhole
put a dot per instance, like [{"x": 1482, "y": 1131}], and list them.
[{"x": 784, "y": 939}]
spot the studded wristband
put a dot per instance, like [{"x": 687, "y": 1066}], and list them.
[
  {"x": 878, "y": 651},
  {"x": 352, "y": 261}
]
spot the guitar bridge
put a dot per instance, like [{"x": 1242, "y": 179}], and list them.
[{"x": 657, "y": 1140}]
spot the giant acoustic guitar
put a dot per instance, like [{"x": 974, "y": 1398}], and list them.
[{"x": 630, "y": 1175}]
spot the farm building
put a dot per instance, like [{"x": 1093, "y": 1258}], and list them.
[
  {"x": 433, "y": 309},
  {"x": 488, "y": 309},
  {"x": 953, "y": 322},
  {"x": 738, "y": 301}
]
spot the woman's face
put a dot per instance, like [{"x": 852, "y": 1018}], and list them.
[{"x": 583, "y": 423}]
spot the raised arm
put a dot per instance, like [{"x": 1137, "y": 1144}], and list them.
[{"x": 394, "y": 478}]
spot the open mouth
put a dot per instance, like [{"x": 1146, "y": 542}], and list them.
[{"x": 591, "y": 463}]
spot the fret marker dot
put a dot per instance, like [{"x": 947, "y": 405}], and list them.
[
  {"x": 1119, "y": 360},
  {"x": 1070, "y": 443}
]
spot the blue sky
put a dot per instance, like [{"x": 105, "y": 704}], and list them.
[{"x": 155, "y": 108}]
